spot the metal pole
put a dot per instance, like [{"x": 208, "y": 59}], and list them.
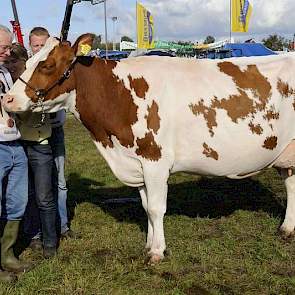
[
  {"x": 114, "y": 19},
  {"x": 16, "y": 25},
  {"x": 105, "y": 27},
  {"x": 230, "y": 12},
  {"x": 66, "y": 21},
  {"x": 14, "y": 11},
  {"x": 136, "y": 27}
]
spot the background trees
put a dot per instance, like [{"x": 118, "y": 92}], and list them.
[
  {"x": 276, "y": 42},
  {"x": 209, "y": 39}
]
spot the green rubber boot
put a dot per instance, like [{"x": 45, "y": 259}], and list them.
[{"x": 8, "y": 261}]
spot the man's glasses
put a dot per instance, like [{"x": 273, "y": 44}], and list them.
[{"x": 5, "y": 47}]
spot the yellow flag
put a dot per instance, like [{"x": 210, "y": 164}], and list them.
[
  {"x": 145, "y": 27},
  {"x": 241, "y": 11}
]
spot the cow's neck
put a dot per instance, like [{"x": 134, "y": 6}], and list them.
[{"x": 105, "y": 106}]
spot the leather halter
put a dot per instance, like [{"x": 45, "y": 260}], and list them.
[{"x": 41, "y": 93}]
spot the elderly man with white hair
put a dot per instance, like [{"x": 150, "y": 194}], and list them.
[{"x": 13, "y": 172}]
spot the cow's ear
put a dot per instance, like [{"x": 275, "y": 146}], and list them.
[{"x": 83, "y": 44}]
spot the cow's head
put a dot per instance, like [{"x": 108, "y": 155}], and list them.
[{"x": 46, "y": 84}]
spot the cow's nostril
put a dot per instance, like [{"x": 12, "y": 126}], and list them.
[{"x": 9, "y": 99}]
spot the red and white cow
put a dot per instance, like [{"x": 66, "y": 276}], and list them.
[{"x": 152, "y": 116}]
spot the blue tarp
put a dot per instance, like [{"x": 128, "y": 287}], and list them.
[{"x": 248, "y": 49}]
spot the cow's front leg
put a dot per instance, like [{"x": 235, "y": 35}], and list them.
[
  {"x": 150, "y": 232},
  {"x": 157, "y": 188},
  {"x": 288, "y": 226}
]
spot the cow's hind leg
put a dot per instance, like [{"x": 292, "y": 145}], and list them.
[
  {"x": 155, "y": 179},
  {"x": 144, "y": 201},
  {"x": 288, "y": 226}
]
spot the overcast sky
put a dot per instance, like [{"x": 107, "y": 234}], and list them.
[{"x": 174, "y": 19}]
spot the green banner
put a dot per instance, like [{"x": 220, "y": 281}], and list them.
[{"x": 172, "y": 45}]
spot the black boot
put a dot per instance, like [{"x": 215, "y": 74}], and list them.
[
  {"x": 49, "y": 252},
  {"x": 48, "y": 223},
  {"x": 8, "y": 260}
]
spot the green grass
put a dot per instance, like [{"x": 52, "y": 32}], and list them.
[{"x": 221, "y": 236}]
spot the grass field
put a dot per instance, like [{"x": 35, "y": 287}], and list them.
[{"x": 221, "y": 236}]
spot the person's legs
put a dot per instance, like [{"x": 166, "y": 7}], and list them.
[
  {"x": 62, "y": 193},
  {"x": 17, "y": 185},
  {"x": 41, "y": 161},
  {"x": 31, "y": 220},
  {"x": 5, "y": 165},
  {"x": 58, "y": 149},
  {"x": 16, "y": 196}
]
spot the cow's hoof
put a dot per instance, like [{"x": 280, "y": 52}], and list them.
[
  {"x": 154, "y": 259},
  {"x": 286, "y": 235}
]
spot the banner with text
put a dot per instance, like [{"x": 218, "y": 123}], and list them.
[
  {"x": 145, "y": 27},
  {"x": 241, "y": 11}
]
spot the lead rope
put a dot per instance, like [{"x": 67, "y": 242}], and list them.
[{"x": 40, "y": 103}]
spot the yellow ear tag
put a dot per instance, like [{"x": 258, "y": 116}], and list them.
[{"x": 84, "y": 49}]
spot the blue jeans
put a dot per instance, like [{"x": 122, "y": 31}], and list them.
[
  {"x": 14, "y": 170},
  {"x": 58, "y": 149},
  {"x": 42, "y": 205}
]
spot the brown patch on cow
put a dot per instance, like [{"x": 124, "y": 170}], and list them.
[
  {"x": 270, "y": 142},
  {"x": 153, "y": 118},
  {"x": 250, "y": 79},
  {"x": 237, "y": 106},
  {"x": 256, "y": 129},
  {"x": 112, "y": 111},
  {"x": 209, "y": 152},
  {"x": 284, "y": 89},
  {"x": 148, "y": 148},
  {"x": 139, "y": 85},
  {"x": 208, "y": 113},
  {"x": 271, "y": 115}
]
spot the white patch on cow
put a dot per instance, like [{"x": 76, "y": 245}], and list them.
[
  {"x": 65, "y": 101},
  {"x": 72, "y": 105},
  {"x": 139, "y": 128},
  {"x": 42, "y": 54},
  {"x": 21, "y": 101},
  {"x": 123, "y": 163},
  {"x": 287, "y": 157}
]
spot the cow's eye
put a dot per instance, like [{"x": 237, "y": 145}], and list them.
[{"x": 47, "y": 67}]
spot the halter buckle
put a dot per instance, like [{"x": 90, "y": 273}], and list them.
[{"x": 40, "y": 93}]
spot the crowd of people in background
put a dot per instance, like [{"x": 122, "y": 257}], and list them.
[{"x": 33, "y": 190}]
